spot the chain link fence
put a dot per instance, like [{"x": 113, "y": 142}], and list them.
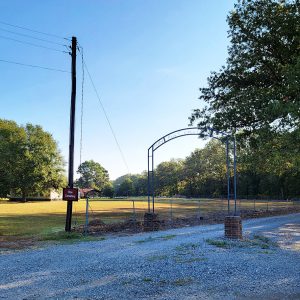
[{"x": 174, "y": 212}]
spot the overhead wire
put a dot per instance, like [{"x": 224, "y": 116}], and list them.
[
  {"x": 32, "y": 37},
  {"x": 34, "y": 66},
  {"x": 35, "y": 31},
  {"x": 84, "y": 65},
  {"x": 106, "y": 115},
  {"x": 81, "y": 115},
  {"x": 31, "y": 44}
]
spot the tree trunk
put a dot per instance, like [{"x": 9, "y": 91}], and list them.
[{"x": 24, "y": 196}]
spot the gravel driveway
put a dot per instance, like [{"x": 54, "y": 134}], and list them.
[{"x": 186, "y": 263}]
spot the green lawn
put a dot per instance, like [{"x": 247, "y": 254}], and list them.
[{"x": 44, "y": 218}]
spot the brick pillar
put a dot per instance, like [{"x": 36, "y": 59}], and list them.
[
  {"x": 151, "y": 222},
  {"x": 233, "y": 227}
]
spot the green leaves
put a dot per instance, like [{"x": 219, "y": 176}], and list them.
[
  {"x": 260, "y": 82},
  {"x": 30, "y": 161},
  {"x": 92, "y": 175}
]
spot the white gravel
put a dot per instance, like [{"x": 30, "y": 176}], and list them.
[{"x": 173, "y": 264}]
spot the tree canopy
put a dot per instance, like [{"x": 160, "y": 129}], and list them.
[
  {"x": 259, "y": 87},
  {"x": 30, "y": 161},
  {"x": 92, "y": 175}
]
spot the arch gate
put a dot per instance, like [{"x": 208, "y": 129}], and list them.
[{"x": 227, "y": 138}]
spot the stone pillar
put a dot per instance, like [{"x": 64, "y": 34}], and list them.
[
  {"x": 151, "y": 222},
  {"x": 233, "y": 227}
]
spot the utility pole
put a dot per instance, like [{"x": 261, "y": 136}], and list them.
[{"x": 72, "y": 129}]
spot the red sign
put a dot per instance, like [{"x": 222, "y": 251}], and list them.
[{"x": 70, "y": 194}]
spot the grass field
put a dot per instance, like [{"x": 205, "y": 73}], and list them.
[{"x": 42, "y": 218}]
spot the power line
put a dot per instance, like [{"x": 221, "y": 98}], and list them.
[
  {"x": 81, "y": 116},
  {"x": 31, "y": 44},
  {"x": 33, "y": 66},
  {"x": 106, "y": 116},
  {"x": 32, "y": 30},
  {"x": 32, "y": 37}
]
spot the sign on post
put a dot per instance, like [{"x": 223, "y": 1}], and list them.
[{"x": 70, "y": 194}]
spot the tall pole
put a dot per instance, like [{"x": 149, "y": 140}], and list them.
[
  {"x": 228, "y": 175},
  {"x": 234, "y": 173},
  {"x": 153, "y": 185},
  {"x": 72, "y": 129},
  {"x": 148, "y": 183}
]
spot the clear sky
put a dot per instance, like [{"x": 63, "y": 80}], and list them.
[{"x": 148, "y": 59}]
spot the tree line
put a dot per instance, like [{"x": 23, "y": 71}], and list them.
[
  {"x": 30, "y": 163},
  {"x": 270, "y": 170}
]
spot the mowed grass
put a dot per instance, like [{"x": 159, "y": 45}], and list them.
[
  {"x": 39, "y": 218},
  {"x": 44, "y": 218}
]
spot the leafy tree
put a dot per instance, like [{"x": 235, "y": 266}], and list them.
[
  {"x": 12, "y": 141},
  {"x": 30, "y": 161},
  {"x": 140, "y": 184},
  {"x": 272, "y": 167},
  {"x": 108, "y": 190},
  {"x": 126, "y": 188},
  {"x": 138, "y": 188},
  {"x": 205, "y": 170},
  {"x": 168, "y": 176},
  {"x": 259, "y": 88},
  {"x": 92, "y": 175}
]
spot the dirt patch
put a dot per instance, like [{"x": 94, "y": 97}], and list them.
[
  {"x": 97, "y": 227},
  {"x": 8, "y": 243}
]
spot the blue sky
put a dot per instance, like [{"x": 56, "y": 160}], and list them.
[{"x": 148, "y": 59}]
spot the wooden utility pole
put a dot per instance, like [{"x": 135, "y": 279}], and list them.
[{"x": 72, "y": 129}]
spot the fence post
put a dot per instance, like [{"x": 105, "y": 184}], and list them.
[
  {"x": 171, "y": 210},
  {"x": 86, "y": 216},
  {"x": 133, "y": 210}
]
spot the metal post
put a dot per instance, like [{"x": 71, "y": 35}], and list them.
[
  {"x": 153, "y": 185},
  {"x": 133, "y": 208},
  {"x": 234, "y": 173},
  {"x": 86, "y": 216},
  {"x": 72, "y": 129},
  {"x": 171, "y": 212},
  {"x": 228, "y": 176},
  {"x": 148, "y": 186}
]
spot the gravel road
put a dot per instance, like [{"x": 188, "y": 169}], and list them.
[{"x": 185, "y": 263}]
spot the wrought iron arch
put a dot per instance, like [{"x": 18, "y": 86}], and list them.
[{"x": 224, "y": 137}]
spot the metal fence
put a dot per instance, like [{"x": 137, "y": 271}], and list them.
[{"x": 173, "y": 211}]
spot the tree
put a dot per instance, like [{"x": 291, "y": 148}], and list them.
[
  {"x": 272, "y": 167},
  {"x": 205, "y": 170},
  {"x": 141, "y": 184},
  {"x": 126, "y": 188},
  {"x": 108, "y": 190},
  {"x": 12, "y": 137},
  {"x": 30, "y": 161},
  {"x": 259, "y": 88},
  {"x": 168, "y": 176},
  {"x": 92, "y": 175},
  {"x": 138, "y": 188}
]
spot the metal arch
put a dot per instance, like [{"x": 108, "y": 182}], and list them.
[
  {"x": 185, "y": 132},
  {"x": 188, "y": 132}
]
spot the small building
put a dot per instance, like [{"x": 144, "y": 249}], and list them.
[
  {"x": 47, "y": 195},
  {"x": 83, "y": 192}
]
